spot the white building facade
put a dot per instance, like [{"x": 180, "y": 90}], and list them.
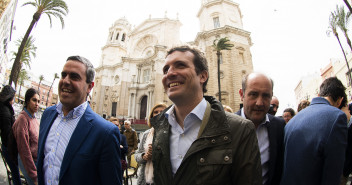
[
  {"x": 128, "y": 79},
  {"x": 6, "y": 26}
]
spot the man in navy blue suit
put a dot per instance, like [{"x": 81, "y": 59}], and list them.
[
  {"x": 77, "y": 146},
  {"x": 256, "y": 94},
  {"x": 316, "y": 139}
]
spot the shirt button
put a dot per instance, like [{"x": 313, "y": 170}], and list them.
[
  {"x": 180, "y": 156},
  {"x": 48, "y": 181},
  {"x": 213, "y": 141},
  {"x": 226, "y": 158},
  {"x": 182, "y": 135},
  {"x": 53, "y": 150},
  {"x": 65, "y": 120},
  {"x": 201, "y": 160},
  {"x": 50, "y": 166},
  {"x": 57, "y": 134},
  {"x": 226, "y": 138}
]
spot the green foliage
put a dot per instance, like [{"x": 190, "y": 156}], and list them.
[
  {"x": 23, "y": 76},
  {"x": 56, "y": 8},
  {"x": 29, "y": 51},
  {"x": 222, "y": 44}
]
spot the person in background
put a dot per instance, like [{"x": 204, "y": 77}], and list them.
[
  {"x": 26, "y": 132},
  {"x": 274, "y": 105},
  {"x": 132, "y": 140},
  {"x": 144, "y": 153},
  {"x": 7, "y": 119},
  {"x": 76, "y": 145},
  {"x": 227, "y": 108},
  {"x": 288, "y": 114},
  {"x": 302, "y": 105},
  {"x": 316, "y": 139},
  {"x": 256, "y": 94},
  {"x": 123, "y": 144}
]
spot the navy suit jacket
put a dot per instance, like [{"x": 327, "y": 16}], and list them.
[
  {"x": 92, "y": 155},
  {"x": 276, "y": 148},
  {"x": 315, "y": 144}
]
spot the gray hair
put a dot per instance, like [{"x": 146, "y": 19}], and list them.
[{"x": 90, "y": 72}]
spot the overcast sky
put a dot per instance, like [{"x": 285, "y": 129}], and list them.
[{"x": 289, "y": 37}]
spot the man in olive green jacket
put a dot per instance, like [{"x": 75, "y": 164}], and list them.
[{"x": 195, "y": 141}]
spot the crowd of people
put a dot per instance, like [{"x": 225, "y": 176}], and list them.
[{"x": 196, "y": 140}]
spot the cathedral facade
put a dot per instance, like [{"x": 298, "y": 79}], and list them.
[{"x": 128, "y": 79}]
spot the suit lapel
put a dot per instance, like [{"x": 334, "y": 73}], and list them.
[
  {"x": 46, "y": 128},
  {"x": 78, "y": 136}
]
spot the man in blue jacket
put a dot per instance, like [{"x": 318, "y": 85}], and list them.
[
  {"x": 316, "y": 138},
  {"x": 77, "y": 146}
]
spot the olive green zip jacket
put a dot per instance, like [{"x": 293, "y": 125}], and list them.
[{"x": 225, "y": 152}]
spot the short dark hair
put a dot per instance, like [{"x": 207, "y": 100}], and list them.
[
  {"x": 332, "y": 87},
  {"x": 29, "y": 94},
  {"x": 90, "y": 72},
  {"x": 245, "y": 79},
  {"x": 199, "y": 61},
  {"x": 291, "y": 111}
]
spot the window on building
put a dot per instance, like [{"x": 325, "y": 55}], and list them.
[
  {"x": 123, "y": 37},
  {"x": 112, "y": 34},
  {"x": 242, "y": 61},
  {"x": 216, "y": 22},
  {"x": 42, "y": 98},
  {"x": 348, "y": 79},
  {"x": 117, "y": 36},
  {"x": 146, "y": 75}
]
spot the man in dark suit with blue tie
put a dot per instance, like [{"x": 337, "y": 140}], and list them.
[
  {"x": 77, "y": 146},
  {"x": 256, "y": 94}
]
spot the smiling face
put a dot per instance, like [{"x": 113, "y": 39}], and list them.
[
  {"x": 33, "y": 104},
  {"x": 181, "y": 82},
  {"x": 256, "y": 98},
  {"x": 73, "y": 88}
]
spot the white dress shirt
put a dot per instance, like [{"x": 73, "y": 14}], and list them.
[
  {"x": 182, "y": 139},
  {"x": 263, "y": 143}
]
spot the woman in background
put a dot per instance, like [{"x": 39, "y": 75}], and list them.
[
  {"x": 144, "y": 153},
  {"x": 26, "y": 132},
  {"x": 7, "y": 119}
]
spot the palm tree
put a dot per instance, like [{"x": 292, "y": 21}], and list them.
[
  {"x": 55, "y": 77},
  {"x": 29, "y": 51},
  {"x": 22, "y": 77},
  {"x": 56, "y": 8},
  {"x": 41, "y": 78},
  {"x": 219, "y": 45},
  {"x": 333, "y": 19},
  {"x": 342, "y": 22}
]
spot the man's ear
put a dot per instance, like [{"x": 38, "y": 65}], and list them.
[
  {"x": 90, "y": 87},
  {"x": 204, "y": 76},
  {"x": 338, "y": 102},
  {"x": 241, "y": 94}
]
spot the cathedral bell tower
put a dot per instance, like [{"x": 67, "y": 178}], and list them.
[
  {"x": 116, "y": 43},
  {"x": 219, "y": 19}
]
